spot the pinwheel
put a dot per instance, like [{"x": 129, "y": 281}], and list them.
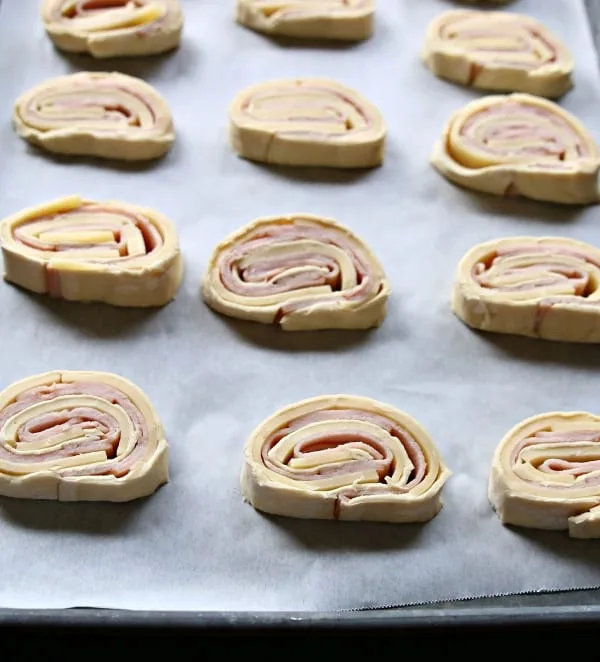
[
  {"x": 520, "y": 144},
  {"x": 301, "y": 271},
  {"x": 111, "y": 28},
  {"x": 343, "y": 457},
  {"x": 349, "y": 20},
  {"x": 80, "y": 436},
  {"x": 83, "y": 250},
  {"x": 546, "y": 474},
  {"x": 306, "y": 122},
  {"x": 498, "y": 51},
  {"x": 542, "y": 287},
  {"x": 108, "y": 115}
]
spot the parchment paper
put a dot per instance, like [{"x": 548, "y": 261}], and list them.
[{"x": 195, "y": 545}]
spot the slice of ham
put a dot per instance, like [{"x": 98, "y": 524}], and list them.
[
  {"x": 343, "y": 457},
  {"x": 85, "y": 419},
  {"x": 382, "y": 457}
]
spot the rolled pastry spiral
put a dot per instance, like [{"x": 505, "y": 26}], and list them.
[
  {"x": 542, "y": 287},
  {"x": 520, "y": 144},
  {"x": 498, "y": 51},
  {"x": 546, "y": 474},
  {"x": 302, "y": 272},
  {"x": 80, "y": 436},
  {"x": 306, "y": 122},
  {"x": 107, "y": 115},
  {"x": 347, "y": 20},
  {"x": 82, "y": 250},
  {"x": 343, "y": 457},
  {"x": 113, "y": 28}
]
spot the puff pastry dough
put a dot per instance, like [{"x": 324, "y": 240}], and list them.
[
  {"x": 520, "y": 144},
  {"x": 83, "y": 250},
  {"x": 306, "y": 122},
  {"x": 302, "y": 272},
  {"x": 343, "y": 457},
  {"x": 546, "y": 474},
  {"x": 498, "y": 51},
  {"x": 107, "y": 115},
  {"x": 80, "y": 436},
  {"x": 542, "y": 287},
  {"x": 347, "y": 20},
  {"x": 113, "y": 28}
]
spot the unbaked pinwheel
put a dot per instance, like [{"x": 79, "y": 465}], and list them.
[
  {"x": 498, "y": 51},
  {"x": 546, "y": 474},
  {"x": 107, "y": 115},
  {"x": 343, "y": 457},
  {"x": 80, "y": 436},
  {"x": 111, "y": 28},
  {"x": 542, "y": 287},
  {"x": 83, "y": 250},
  {"x": 348, "y": 20},
  {"x": 303, "y": 272},
  {"x": 306, "y": 122},
  {"x": 520, "y": 144}
]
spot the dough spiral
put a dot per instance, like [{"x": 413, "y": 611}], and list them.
[
  {"x": 542, "y": 287},
  {"x": 347, "y": 20},
  {"x": 498, "y": 51},
  {"x": 113, "y": 28},
  {"x": 306, "y": 122},
  {"x": 107, "y": 115},
  {"x": 520, "y": 144},
  {"x": 301, "y": 271},
  {"x": 343, "y": 457},
  {"x": 80, "y": 436},
  {"x": 546, "y": 474},
  {"x": 83, "y": 250}
]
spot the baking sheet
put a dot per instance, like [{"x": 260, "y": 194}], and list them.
[{"x": 195, "y": 545}]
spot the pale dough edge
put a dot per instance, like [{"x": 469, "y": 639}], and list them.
[
  {"x": 355, "y": 27},
  {"x": 552, "y": 83},
  {"x": 143, "y": 481},
  {"x": 268, "y": 147},
  {"x": 267, "y": 495},
  {"x": 370, "y": 315}
]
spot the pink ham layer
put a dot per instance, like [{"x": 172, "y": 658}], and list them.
[
  {"x": 560, "y": 466},
  {"x": 579, "y": 279},
  {"x": 547, "y": 144},
  {"x": 382, "y": 458},
  {"x": 114, "y": 111},
  {"x": 451, "y": 26},
  {"x": 261, "y": 279},
  {"x": 85, "y": 8},
  {"x": 152, "y": 239},
  {"x": 335, "y": 116},
  {"x": 45, "y": 426}
]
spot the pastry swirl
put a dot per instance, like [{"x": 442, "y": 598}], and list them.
[
  {"x": 520, "y": 144},
  {"x": 498, "y": 51},
  {"x": 107, "y": 115},
  {"x": 346, "y": 20},
  {"x": 113, "y": 28},
  {"x": 80, "y": 436},
  {"x": 546, "y": 474},
  {"x": 343, "y": 457},
  {"x": 542, "y": 287},
  {"x": 83, "y": 250},
  {"x": 301, "y": 272},
  {"x": 306, "y": 122}
]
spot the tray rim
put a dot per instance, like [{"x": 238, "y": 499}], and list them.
[{"x": 458, "y": 615}]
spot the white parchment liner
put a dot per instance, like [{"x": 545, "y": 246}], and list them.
[{"x": 195, "y": 545}]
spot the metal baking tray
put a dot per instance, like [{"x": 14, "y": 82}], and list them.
[{"x": 568, "y": 608}]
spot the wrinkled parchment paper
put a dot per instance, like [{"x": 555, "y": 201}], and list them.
[{"x": 195, "y": 545}]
